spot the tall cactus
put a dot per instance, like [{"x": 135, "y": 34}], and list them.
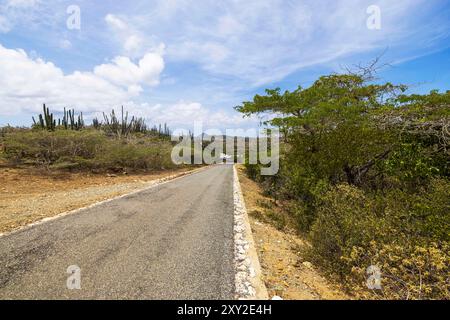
[
  {"x": 46, "y": 120},
  {"x": 96, "y": 123},
  {"x": 123, "y": 127}
]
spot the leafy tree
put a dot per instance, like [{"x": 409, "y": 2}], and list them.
[{"x": 364, "y": 166}]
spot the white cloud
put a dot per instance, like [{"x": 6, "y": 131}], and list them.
[
  {"x": 26, "y": 83},
  {"x": 240, "y": 45},
  {"x": 183, "y": 114},
  {"x": 264, "y": 41},
  {"x": 26, "y": 15},
  {"x": 115, "y": 22},
  {"x": 122, "y": 71},
  {"x": 133, "y": 43}
]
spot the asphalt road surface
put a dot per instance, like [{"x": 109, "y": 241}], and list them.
[{"x": 174, "y": 241}]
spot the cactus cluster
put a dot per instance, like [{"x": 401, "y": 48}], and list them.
[
  {"x": 123, "y": 127},
  {"x": 113, "y": 125},
  {"x": 162, "y": 131},
  {"x": 46, "y": 121},
  {"x": 69, "y": 122},
  {"x": 96, "y": 123}
]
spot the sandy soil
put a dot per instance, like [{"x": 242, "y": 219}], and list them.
[
  {"x": 27, "y": 196},
  {"x": 285, "y": 272}
]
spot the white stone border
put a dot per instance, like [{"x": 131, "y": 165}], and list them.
[
  {"x": 152, "y": 184},
  {"x": 248, "y": 283}
]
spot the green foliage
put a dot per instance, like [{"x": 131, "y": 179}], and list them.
[
  {"x": 364, "y": 163},
  {"x": 252, "y": 170},
  {"x": 411, "y": 163},
  {"x": 89, "y": 149}
]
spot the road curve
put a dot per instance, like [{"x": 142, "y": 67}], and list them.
[{"x": 173, "y": 241}]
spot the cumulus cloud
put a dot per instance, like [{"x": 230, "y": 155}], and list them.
[
  {"x": 183, "y": 114},
  {"x": 26, "y": 82},
  {"x": 216, "y": 53},
  {"x": 122, "y": 71}
]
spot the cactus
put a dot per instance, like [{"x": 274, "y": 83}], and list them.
[
  {"x": 96, "y": 123},
  {"x": 69, "y": 120},
  {"x": 160, "y": 131},
  {"x": 112, "y": 125},
  {"x": 123, "y": 127},
  {"x": 48, "y": 122}
]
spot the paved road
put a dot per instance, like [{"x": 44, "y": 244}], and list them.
[{"x": 174, "y": 241}]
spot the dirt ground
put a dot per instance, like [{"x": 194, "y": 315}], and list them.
[
  {"x": 27, "y": 196},
  {"x": 285, "y": 272}
]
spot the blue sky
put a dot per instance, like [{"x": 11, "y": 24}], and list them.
[{"x": 184, "y": 61}]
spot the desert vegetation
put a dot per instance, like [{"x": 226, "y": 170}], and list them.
[
  {"x": 117, "y": 143},
  {"x": 365, "y": 174}
]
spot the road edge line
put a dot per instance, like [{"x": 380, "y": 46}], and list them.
[
  {"x": 248, "y": 281},
  {"x": 153, "y": 184}
]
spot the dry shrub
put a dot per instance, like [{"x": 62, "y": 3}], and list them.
[
  {"x": 355, "y": 230},
  {"x": 87, "y": 149}
]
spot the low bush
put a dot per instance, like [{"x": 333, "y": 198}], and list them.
[
  {"x": 407, "y": 271},
  {"x": 405, "y": 235},
  {"x": 86, "y": 149}
]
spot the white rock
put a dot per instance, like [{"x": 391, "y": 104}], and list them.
[
  {"x": 242, "y": 267},
  {"x": 251, "y": 291},
  {"x": 240, "y": 257}
]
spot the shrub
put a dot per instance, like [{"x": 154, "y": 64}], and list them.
[
  {"x": 404, "y": 234},
  {"x": 407, "y": 271},
  {"x": 65, "y": 149},
  {"x": 46, "y": 148},
  {"x": 253, "y": 171},
  {"x": 345, "y": 219}
]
